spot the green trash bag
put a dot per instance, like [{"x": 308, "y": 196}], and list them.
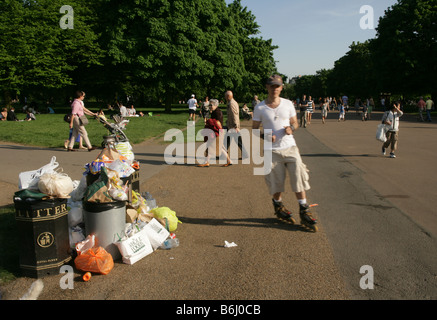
[{"x": 169, "y": 215}]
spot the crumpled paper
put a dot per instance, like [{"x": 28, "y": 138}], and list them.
[{"x": 230, "y": 245}]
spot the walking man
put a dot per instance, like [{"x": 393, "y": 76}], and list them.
[
  {"x": 429, "y": 106},
  {"x": 279, "y": 115},
  {"x": 192, "y": 106},
  {"x": 233, "y": 123},
  {"x": 303, "y": 111},
  {"x": 391, "y": 118}
]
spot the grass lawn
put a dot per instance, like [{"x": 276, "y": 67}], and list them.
[
  {"x": 9, "y": 256},
  {"x": 50, "y": 130}
]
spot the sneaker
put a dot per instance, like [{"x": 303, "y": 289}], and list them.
[
  {"x": 282, "y": 213},
  {"x": 392, "y": 155},
  {"x": 383, "y": 151}
]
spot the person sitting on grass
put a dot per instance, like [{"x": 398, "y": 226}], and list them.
[{"x": 29, "y": 115}]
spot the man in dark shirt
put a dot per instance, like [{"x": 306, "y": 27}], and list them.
[
  {"x": 303, "y": 112},
  {"x": 11, "y": 115}
]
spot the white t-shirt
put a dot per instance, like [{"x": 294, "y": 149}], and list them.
[
  {"x": 276, "y": 119},
  {"x": 192, "y": 104},
  {"x": 123, "y": 111}
]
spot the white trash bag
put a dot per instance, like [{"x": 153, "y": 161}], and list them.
[
  {"x": 56, "y": 184},
  {"x": 30, "y": 179},
  {"x": 381, "y": 132}
]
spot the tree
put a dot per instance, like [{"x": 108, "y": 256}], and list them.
[
  {"x": 353, "y": 74},
  {"x": 35, "y": 53},
  {"x": 405, "y": 49},
  {"x": 175, "y": 48}
]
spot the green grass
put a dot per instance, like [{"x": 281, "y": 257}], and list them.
[
  {"x": 9, "y": 255},
  {"x": 50, "y": 130}
]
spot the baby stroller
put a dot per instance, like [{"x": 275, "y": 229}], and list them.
[{"x": 116, "y": 130}]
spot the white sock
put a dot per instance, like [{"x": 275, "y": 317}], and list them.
[
  {"x": 278, "y": 201},
  {"x": 303, "y": 201}
]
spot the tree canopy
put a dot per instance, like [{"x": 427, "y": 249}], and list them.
[{"x": 157, "y": 50}]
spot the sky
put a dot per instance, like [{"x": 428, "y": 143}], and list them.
[{"x": 313, "y": 34}]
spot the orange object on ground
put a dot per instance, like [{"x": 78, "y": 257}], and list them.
[
  {"x": 95, "y": 260},
  {"x": 87, "y": 276}
]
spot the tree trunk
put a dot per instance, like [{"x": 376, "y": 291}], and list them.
[
  {"x": 7, "y": 96},
  {"x": 168, "y": 102}
]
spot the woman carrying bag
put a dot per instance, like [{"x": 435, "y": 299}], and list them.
[{"x": 79, "y": 121}]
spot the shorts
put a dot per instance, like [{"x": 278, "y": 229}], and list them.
[
  {"x": 291, "y": 161},
  {"x": 191, "y": 111},
  {"x": 392, "y": 140}
]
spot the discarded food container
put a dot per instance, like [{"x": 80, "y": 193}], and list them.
[
  {"x": 105, "y": 221},
  {"x": 43, "y": 235}
]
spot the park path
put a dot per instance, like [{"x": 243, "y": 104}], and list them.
[{"x": 272, "y": 261}]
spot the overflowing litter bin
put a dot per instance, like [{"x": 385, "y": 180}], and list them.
[
  {"x": 42, "y": 226},
  {"x": 107, "y": 222}
]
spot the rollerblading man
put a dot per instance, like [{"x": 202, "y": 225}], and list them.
[{"x": 279, "y": 115}]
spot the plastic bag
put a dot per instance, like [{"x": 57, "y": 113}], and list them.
[
  {"x": 56, "y": 184},
  {"x": 76, "y": 235},
  {"x": 96, "y": 260},
  {"x": 30, "y": 179},
  {"x": 126, "y": 150},
  {"x": 86, "y": 244},
  {"x": 117, "y": 190},
  {"x": 381, "y": 132},
  {"x": 117, "y": 193},
  {"x": 122, "y": 168},
  {"x": 94, "y": 167},
  {"x": 170, "y": 215},
  {"x": 79, "y": 191},
  {"x": 75, "y": 213}
]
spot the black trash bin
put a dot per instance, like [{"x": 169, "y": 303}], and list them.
[
  {"x": 107, "y": 222},
  {"x": 44, "y": 244}
]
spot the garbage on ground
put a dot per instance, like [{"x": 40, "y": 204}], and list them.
[
  {"x": 95, "y": 260},
  {"x": 111, "y": 178},
  {"x": 87, "y": 277},
  {"x": 230, "y": 244},
  {"x": 170, "y": 215}
]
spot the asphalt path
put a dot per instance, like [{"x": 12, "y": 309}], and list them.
[{"x": 388, "y": 224}]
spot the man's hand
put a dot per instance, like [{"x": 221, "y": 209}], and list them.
[{"x": 288, "y": 130}]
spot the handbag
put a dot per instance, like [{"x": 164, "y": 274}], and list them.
[{"x": 83, "y": 120}]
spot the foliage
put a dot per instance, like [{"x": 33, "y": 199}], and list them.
[
  {"x": 35, "y": 53},
  {"x": 405, "y": 49},
  {"x": 171, "y": 49}
]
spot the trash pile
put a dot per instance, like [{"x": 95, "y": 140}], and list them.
[{"x": 108, "y": 217}]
